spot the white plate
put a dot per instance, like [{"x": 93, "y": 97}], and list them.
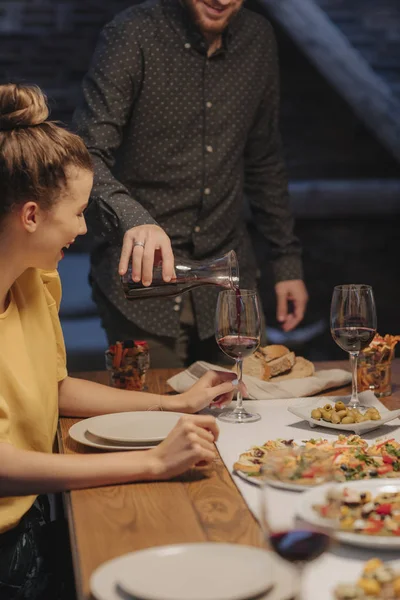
[
  {"x": 302, "y": 408},
  {"x": 318, "y": 496},
  {"x": 133, "y": 427},
  {"x": 282, "y": 485},
  {"x": 79, "y": 433},
  {"x": 207, "y": 571}
]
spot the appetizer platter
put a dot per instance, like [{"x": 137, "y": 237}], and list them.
[
  {"x": 360, "y": 513},
  {"x": 377, "y": 581},
  {"x": 352, "y": 459}
]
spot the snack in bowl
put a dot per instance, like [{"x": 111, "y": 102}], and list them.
[
  {"x": 278, "y": 363},
  {"x": 339, "y": 413},
  {"x": 362, "y": 512},
  {"x": 378, "y": 581},
  {"x": 374, "y": 365}
]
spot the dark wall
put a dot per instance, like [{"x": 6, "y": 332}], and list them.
[{"x": 50, "y": 42}]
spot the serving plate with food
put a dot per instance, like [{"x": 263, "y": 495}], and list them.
[
  {"x": 378, "y": 580},
  {"x": 335, "y": 413},
  {"x": 360, "y": 513},
  {"x": 352, "y": 459}
]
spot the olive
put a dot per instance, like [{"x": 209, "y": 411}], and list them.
[
  {"x": 327, "y": 415},
  {"x": 347, "y": 420},
  {"x": 328, "y": 407},
  {"x": 316, "y": 413},
  {"x": 342, "y": 413},
  {"x": 340, "y": 406}
]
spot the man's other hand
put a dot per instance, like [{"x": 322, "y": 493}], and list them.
[{"x": 294, "y": 292}]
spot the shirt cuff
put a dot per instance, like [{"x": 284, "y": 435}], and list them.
[{"x": 286, "y": 268}]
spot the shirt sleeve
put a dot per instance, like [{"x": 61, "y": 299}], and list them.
[
  {"x": 266, "y": 185},
  {"x": 4, "y": 420},
  {"x": 109, "y": 91},
  {"x": 52, "y": 284}
]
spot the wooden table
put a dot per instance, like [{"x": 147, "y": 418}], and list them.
[{"x": 109, "y": 521}]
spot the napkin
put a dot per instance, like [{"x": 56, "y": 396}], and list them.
[{"x": 267, "y": 390}]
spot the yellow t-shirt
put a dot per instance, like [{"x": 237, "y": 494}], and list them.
[{"x": 32, "y": 362}]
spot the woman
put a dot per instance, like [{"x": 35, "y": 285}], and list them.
[{"x": 45, "y": 183}]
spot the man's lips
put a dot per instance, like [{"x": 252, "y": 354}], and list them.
[{"x": 215, "y": 10}]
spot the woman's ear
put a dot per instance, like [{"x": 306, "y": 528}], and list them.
[{"x": 30, "y": 215}]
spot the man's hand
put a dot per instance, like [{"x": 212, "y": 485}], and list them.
[
  {"x": 141, "y": 243},
  {"x": 293, "y": 291}
]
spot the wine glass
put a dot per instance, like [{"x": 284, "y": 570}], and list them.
[
  {"x": 294, "y": 541},
  {"x": 353, "y": 325},
  {"x": 237, "y": 331}
]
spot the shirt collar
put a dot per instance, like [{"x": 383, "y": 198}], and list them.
[{"x": 181, "y": 21}]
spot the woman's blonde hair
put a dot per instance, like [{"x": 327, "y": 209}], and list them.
[{"x": 34, "y": 153}]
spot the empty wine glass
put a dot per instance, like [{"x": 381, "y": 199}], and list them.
[
  {"x": 353, "y": 325},
  {"x": 237, "y": 331},
  {"x": 294, "y": 541}
]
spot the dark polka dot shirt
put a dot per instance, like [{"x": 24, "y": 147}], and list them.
[{"x": 178, "y": 138}]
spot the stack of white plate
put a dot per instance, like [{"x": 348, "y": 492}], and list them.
[
  {"x": 205, "y": 571},
  {"x": 125, "y": 431}
]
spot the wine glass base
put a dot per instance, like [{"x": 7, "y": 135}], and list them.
[
  {"x": 239, "y": 417},
  {"x": 357, "y": 405}
]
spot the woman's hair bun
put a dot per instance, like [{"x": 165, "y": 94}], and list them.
[{"x": 22, "y": 106}]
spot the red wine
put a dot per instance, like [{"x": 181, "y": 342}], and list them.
[
  {"x": 299, "y": 545},
  {"x": 238, "y": 346},
  {"x": 137, "y": 291},
  {"x": 353, "y": 339},
  {"x": 238, "y": 309}
]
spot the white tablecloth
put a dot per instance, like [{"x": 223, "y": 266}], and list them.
[{"x": 342, "y": 563}]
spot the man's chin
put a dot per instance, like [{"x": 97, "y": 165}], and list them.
[{"x": 208, "y": 26}]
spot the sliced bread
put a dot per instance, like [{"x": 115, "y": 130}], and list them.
[
  {"x": 273, "y": 351},
  {"x": 301, "y": 368},
  {"x": 282, "y": 364},
  {"x": 256, "y": 366}
]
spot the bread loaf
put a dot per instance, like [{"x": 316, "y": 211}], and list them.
[
  {"x": 273, "y": 351},
  {"x": 256, "y": 366},
  {"x": 282, "y": 364},
  {"x": 278, "y": 363},
  {"x": 301, "y": 368}
]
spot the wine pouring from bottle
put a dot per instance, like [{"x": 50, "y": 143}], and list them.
[{"x": 222, "y": 271}]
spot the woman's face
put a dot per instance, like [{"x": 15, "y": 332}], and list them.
[{"x": 57, "y": 228}]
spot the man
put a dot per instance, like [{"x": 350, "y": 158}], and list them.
[{"x": 180, "y": 115}]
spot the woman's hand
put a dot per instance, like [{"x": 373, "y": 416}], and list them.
[
  {"x": 190, "y": 444},
  {"x": 214, "y": 387}
]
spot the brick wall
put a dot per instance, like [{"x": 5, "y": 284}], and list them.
[{"x": 50, "y": 42}]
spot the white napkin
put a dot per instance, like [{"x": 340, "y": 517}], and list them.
[{"x": 267, "y": 390}]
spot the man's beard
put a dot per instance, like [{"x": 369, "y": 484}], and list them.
[{"x": 208, "y": 26}]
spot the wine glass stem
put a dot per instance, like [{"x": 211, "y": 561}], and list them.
[
  {"x": 354, "y": 401},
  {"x": 239, "y": 396},
  {"x": 299, "y": 570}
]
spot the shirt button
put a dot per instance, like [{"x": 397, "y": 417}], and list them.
[
  {"x": 187, "y": 45},
  {"x": 176, "y": 307},
  {"x": 209, "y": 104},
  {"x": 178, "y": 299},
  {"x": 207, "y": 191},
  {"x": 209, "y": 148},
  {"x": 197, "y": 229}
]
